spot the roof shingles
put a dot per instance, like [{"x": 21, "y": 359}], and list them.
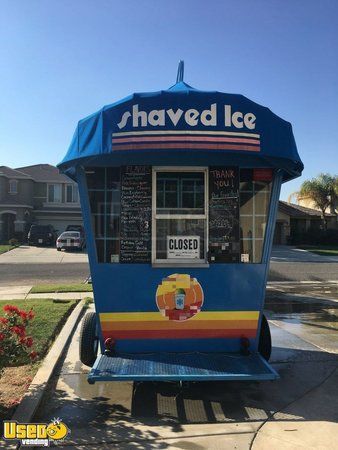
[
  {"x": 13, "y": 173},
  {"x": 45, "y": 173},
  {"x": 294, "y": 210}
]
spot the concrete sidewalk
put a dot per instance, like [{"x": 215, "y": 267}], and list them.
[
  {"x": 23, "y": 293},
  {"x": 297, "y": 426},
  {"x": 14, "y": 292}
]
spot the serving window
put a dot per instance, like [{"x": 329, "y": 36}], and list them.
[{"x": 179, "y": 215}]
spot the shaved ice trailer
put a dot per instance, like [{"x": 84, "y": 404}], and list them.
[{"x": 179, "y": 191}]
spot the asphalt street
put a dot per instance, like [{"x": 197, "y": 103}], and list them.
[
  {"x": 33, "y": 265},
  {"x": 11, "y": 275}
]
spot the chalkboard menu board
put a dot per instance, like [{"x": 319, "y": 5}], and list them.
[
  {"x": 224, "y": 231},
  {"x": 135, "y": 214}
]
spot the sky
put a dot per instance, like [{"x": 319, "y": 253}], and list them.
[{"x": 63, "y": 60}]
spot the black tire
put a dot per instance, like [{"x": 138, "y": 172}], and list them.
[
  {"x": 88, "y": 339},
  {"x": 264, "y": 345}
]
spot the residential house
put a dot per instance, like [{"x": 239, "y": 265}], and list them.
[
  {"x": 36, "y": 194},
  {"x": 295, "y": 219},
  {"x": 309, "y": 203}
]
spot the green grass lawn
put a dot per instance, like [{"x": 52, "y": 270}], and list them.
[
  {"x": 6, "y": 248},
  {"x": 47, "y": 288},
  {"x": 324, "y": 250},
  {"x": 50, "y": 316}
]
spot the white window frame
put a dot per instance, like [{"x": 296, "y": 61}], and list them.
[
  {"x": 74, "y": 186},
  {"x": 10, "y": 190},
  {"x": 54, "y": 184},
  {"x": 155, "y": 217}
]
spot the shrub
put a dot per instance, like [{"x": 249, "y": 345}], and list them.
[
  {"x": 15, "y": 345},
  {"x": 313, "y": 236}
]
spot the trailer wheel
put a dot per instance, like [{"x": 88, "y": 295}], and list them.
[
  {"x": 89, "y": 341},
  {"x": 264, "y": 345}
]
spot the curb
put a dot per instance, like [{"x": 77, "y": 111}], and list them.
[
  {"x": 32, "y": 398},
  {"x": 61, "y": 295}
]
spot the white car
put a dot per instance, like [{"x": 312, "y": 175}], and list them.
[{"x": 70, "y": 240}]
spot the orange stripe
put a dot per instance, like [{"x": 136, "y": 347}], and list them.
[
  {"x": 184, "y": 324},
  {"x": 186, "y": 139},
  {"x": 178, "y": 334},
  {"x": 183, "y": 145}
]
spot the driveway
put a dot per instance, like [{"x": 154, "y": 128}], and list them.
[
  {"x": 297, "y": 411},
  {"x": 285, "y": 253}
]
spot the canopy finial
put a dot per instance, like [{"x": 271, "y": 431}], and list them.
[{"x": 180, "y": 71}]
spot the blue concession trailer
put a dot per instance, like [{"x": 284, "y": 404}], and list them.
[{"x": 179, "y": 191}]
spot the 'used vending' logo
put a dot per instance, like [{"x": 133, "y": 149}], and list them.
[{"x": 35, "y": 434}]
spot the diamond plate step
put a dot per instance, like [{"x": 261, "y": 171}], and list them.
[{"x": 181, "y": 367}]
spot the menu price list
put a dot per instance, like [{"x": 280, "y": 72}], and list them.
[
  {"x": 136, "y": 185},
  {"x": 224, "y": 230}
]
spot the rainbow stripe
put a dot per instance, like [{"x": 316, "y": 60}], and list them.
[
  {"x": 206, "y": 324},
  {"x": 208, "y": 140}
]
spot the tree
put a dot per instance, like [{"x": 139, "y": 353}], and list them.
[{"x": 323, "y": 191}]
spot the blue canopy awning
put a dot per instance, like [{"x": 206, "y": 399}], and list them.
[{"x": 184, "y": 118}]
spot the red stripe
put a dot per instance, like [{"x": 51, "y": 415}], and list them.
[
  {"x": 177, "y": 334},
  {"x": 185, "y": 145},
  {"x": 185, "y": 139}
]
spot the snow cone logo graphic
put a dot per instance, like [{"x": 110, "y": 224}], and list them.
[{"x": 179, "y": 297}]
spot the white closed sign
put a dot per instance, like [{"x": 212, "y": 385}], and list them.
[{"x": 184, "y": 247}]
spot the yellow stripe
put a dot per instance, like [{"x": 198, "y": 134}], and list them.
[
  {"x": 157, "y": 317},
  {"x": 219, "y": 133}
]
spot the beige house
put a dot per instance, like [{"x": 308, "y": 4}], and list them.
[
  {"x": 36, "y": 194},
  {"x": 296, "y": 219},
  {"x": 309, "y": 203}
]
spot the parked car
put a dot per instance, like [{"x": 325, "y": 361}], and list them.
[
  {"x": 76, "y": 228},
  {"x": 70, "y": 240},
  {"x": 41, "y": 235}
]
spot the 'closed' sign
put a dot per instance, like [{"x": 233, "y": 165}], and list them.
[{"x": 183, "y": 247}]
